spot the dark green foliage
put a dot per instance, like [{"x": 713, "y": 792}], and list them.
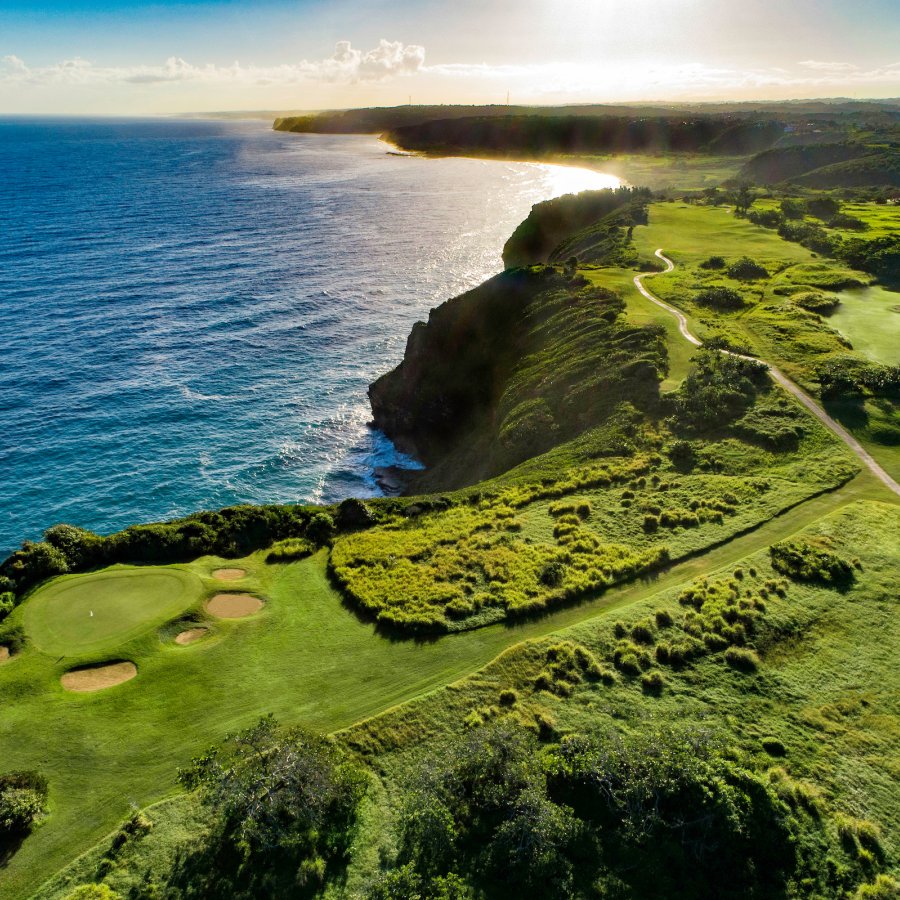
[
  {"x": 824, "y": 208},
  {"x": 230, "y": 532},
  {"x": 746, "y": 269},
  {"x": 792, "y": 209},
  {"x": 652, "y": 683},
  {"x": 284, "y": 803},
  {"x": 483, "y": 812},
  {"x": 720, "y": 298},
  {"x": 23, "y": 802},
  {"x": 669, "y": 815},
  {"x": 879, "y": 256},
  {"x": 768, "y": 218},
  {"x": 352, "y": 514},
  {"x": 534, "y": 136},
  {"x": 320, "y": 529},
  {"x": 719, "y": 389},
  {"x": 552, "y": 223},
  {"x": 405, "y": 883},
  {"x": 816, "y": 563},
  {"x": 714, "y": 263},
  {"x": 850, "y": 376}
]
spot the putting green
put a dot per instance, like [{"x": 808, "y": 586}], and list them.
[{"x": 88, "y": 613}]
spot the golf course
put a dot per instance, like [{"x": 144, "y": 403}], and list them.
[{"x": 396, "y": 624}]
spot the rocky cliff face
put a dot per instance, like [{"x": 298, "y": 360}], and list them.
[{"x": 527, "y": 360}]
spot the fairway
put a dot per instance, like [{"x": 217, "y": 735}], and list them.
[
  {"x": 870, "y": 318},
  {"x": 83, "y": 614}
]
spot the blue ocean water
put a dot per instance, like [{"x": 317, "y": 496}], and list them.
[{"x": 193, "y": 309}]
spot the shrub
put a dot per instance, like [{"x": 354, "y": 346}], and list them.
[
  {"x": 320, "y": 529},
  {"x": 23, "y": 801},
  {"x": 773, "y": 746},
  {"x": 643, "y": 633},
  {"x": 714, "y": 263},
  {"x": 720, "y": 298},
  {"x": 93, "y": 892},
  {"x": 746, "y": 269},
  {"x": 663, "y": 618},
  {"x": 508, "y": 697},
  {"x": 289, "y": 550},
  {"x": 352, "y": 514},
  {"x": 816, "y": 302},
  {"x": 805, "y": 561},
  {"x": 742, "y": 659},
  {"x": 652, "y": 683},
  {"x": 792, "y": 209},
  {"x": 883, "y": 888},
  {"x": 650, "y": 524}
]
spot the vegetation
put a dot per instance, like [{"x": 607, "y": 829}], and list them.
[{"x": 733, "y": 580}]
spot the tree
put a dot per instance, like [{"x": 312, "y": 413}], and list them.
[{"x": 743, "y": 199}]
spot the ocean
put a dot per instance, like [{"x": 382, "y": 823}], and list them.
[{"x": 193, "y": 310}]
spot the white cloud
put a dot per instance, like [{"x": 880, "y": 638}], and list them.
[{"x": 346, "y": 65}]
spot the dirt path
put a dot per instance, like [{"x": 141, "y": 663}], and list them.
[{"x": 777, "y": 375}]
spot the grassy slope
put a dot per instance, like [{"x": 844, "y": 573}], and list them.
[
  {"x": 797, "y": 343},
  {"x": 305, "y": 658},
  {"x": 834, "y": 707},
  {"x": 830, "y": 693}
]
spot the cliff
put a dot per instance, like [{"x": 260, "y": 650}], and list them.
[{"x": 526, "y": 361}]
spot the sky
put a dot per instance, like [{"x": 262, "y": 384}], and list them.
[{"x": 148, "y": 58}]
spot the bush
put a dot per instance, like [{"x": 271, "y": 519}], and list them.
[
  {"x": 353, "y": 514},
  {"x": 814, "y": 563},
  {"x": 652, "y": 683},
  {"x": 792, "y": 209},
  {"x": 773, "y": 746},
  {"x": 508, "y": 697},
  {"x": 664, "y": 618},
  {"x": 289, "y": 550},
  {"x": 746, "y": 269},
  {"x": 720, "y": 298},
  {"x": 93, "y": 892},
  {"x": 742, "y": 659},
  {"x": 714, "y": 263},
  {"x": 815, "y": 302},
  {"x": 283, "y": 801},
  {"x": 23, "y": 801},
  {"x": 320, "y": 529},
  {"x": 883, "y": 888}
]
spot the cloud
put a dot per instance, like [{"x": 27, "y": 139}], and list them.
[{"x": 346, "y": 65}]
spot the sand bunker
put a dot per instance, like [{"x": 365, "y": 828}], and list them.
[
  {"x": 4, "y": 653},
  {"x": 229, "y": 574},
  {"x": 233, "y": 606},
  {"x": 97, "y": 678},
  {"x": 191, "y": 635}
]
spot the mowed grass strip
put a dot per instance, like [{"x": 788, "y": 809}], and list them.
[{"x": 82, "y": 614}]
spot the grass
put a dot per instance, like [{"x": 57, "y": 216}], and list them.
[
  {"x": 305, "y": 658},
  {"x": 869, "y": 318},
  {"x": 641, "y": 311},
  {"x": 90, "y": 614},
  {"x": 816, "y": 685},
  {"x": 770, "y": 325}
]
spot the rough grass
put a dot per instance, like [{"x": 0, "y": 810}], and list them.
[
  {"x": 527, "y": 549},
  {"x": 813, "y": 682}
]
